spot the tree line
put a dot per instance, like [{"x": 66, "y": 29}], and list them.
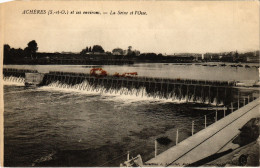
[
  {"x": 96, "y": 48},
  {"x": 29, "y": 53},
  {"x": 13, "y": 54}
]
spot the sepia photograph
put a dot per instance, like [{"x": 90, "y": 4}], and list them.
[{"x": 129, "y": 83}]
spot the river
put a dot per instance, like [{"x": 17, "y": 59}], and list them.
[{"x": 49, "y": 126}]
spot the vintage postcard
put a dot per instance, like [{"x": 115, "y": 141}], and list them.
[{"x": 129, "y": 83}]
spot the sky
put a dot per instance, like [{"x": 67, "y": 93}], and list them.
[{"x": 169, "y": 26}]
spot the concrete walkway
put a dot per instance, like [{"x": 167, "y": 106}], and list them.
[{"x": 208, "y": 141}]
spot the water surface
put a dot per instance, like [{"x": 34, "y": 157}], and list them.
[{"x": 49, "y": 126}]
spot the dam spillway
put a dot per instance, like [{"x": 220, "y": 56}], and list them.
[
  {"x": 17, "y": 72},
  {"x": 218, "y": 92}
]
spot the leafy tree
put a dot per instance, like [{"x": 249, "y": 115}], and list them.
[
  {"x": 108, "y": 53},
  {"x": 132, "y": 53},
  {"x": 89, "y": 50},
  {"x": 137, "y": 52},
  {"x": 83, "y": 51},
  {"x": 33, "y": 46},
  {"x": 7, "y": 56},
  {"x": 27, "y": 52},
  {"x": 129, "y": 51},
  {"x": 160, "y": 55},
  {"x": 13, "y": 55},
  {"x": 149, "y": 56},
  {"x": 31, "y": 49},
  {"x": 129, "y": 48},
  {"x": 118, "y": 50},
  {"x": 7, "y": 49},
  {"x": 98, "y": 48}
]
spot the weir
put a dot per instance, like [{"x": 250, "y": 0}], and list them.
[
  {"x": 16, "y": 75},
  {"x": 218, "y": 92},
  {"x": 17, "y": 72}
]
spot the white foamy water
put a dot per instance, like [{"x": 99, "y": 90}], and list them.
[
  {"x": 123, "y": 94},
  {"x": 11, "y": 80}
]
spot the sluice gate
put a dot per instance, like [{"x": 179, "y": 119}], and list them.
[{"x": 217, "y": 92}]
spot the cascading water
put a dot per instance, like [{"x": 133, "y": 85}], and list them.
[
  {"x": 13, "y": 80},
  {"x": 131, "y": 92},
  {"x": 185, "y": 90}
]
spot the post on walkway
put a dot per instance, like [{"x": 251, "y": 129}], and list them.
[
  {"x": 244, "y": 101},
  {"x": 192, "y": 127},
  {"x": 155, "y": 148},
  {"x": 238, "y": 97},
  {"x": 224, "y": 111},
  {"x": 231, "y": 107},
  {"x": 216, "y": 116},
  {"x": 177, "y": 136},
  {"x": 205, "y": 121},
  {"x": 128, "y": 156}
]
